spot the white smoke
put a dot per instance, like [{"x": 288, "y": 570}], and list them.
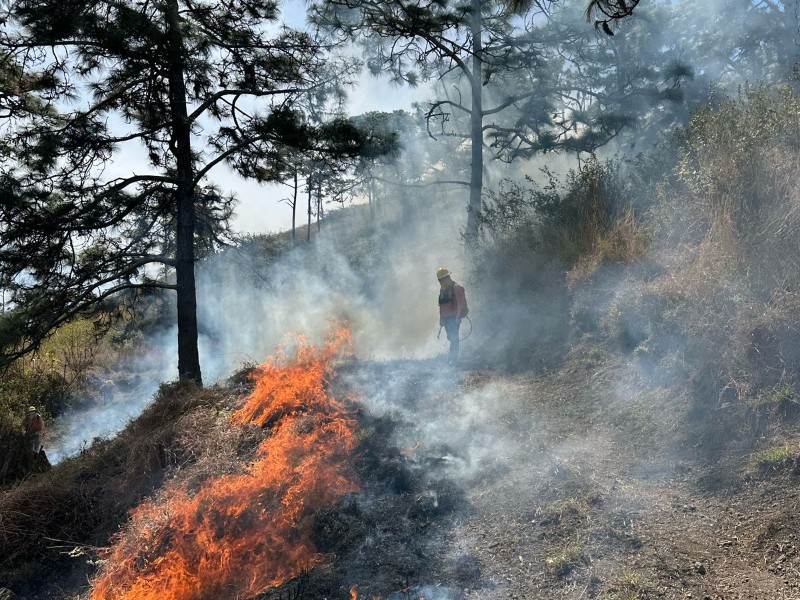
[
  {"x": 389, "y": 303},
  {"x": 118, "y": 400}
]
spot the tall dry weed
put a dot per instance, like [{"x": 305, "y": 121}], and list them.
[
  {"x": 624, "y": 241},
  {"x": 735, "y": 165},
  {"x": 725, "y": 234},
  {"x": 534, "y": 240}
]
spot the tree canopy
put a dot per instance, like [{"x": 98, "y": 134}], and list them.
[
  {"x": 507, "y": 85},
  {"x": 186, "y": 85}
]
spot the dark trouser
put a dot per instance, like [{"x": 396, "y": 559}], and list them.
[
  {"x": 451, "y": 325},
  {"x": 34, "y": 441}
]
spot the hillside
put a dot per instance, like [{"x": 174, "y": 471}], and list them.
[
  {"x": 622, "y": 425},
  {"x": 584, "y": 484},
  {"x": 480, "y": 484},
  {"x": 598, "y": 499}
]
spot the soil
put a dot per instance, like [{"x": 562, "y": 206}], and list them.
[{"x": 590, "y": 482}]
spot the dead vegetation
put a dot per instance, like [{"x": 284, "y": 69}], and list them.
[
  {"x": 683, "y": 336},
  {"x": 52, "y": 524}
]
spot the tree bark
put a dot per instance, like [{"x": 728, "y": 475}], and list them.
[
  {"x": 371, "y": 198},
  {"x": 188, "y": 354},
  {"x": 319, "y": 204},
  {"x": 294, "y": 209},
  {"x": 476, "y": 124},
  {"x": 308, "y": 226}
]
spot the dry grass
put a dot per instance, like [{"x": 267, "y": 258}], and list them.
[
  {"x": 567, "y": 559},
  {"x": 721, "y": 319},
  {"x": 541, "y": 244},
  {"x": 622, "y": 242},
  {"x": 80, "y": 503},
  {"x": 627, "y": 585}
]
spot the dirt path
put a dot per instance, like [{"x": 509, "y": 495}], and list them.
[
  {"x": 588, "y": 483},
  {"x": 591, "y": 505}
]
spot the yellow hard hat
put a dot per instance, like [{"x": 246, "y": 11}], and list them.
[
  {"x": 441, "y": 273},
  {"x": 31, "y": 409}
]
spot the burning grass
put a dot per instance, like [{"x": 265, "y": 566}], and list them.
[
  {"x": 50, "y": 523},
  {"x": 232, "y": 502},
  {"x": 242, "y": 533}
]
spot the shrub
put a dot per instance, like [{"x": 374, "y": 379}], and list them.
[
  {"x": 732, "y": 165},
  {"x": 563, "y": 221},
  {"x": 51, "y": 378},
  {"x": 531, "y": 236},
  {"x": 773, "y": 461},
  {"x": 719, "y": 316},
  {"x": 774, "y": 456},
  {"x": 31, "y": 381}
]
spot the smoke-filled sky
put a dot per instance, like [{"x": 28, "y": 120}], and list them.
[
  {"x": 390, "y": 304},
  {"x": 260, "y": 207}
]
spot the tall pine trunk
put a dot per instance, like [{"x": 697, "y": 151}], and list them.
[
  {"x": 476, "y": 124},
  {"x": 294, "y": 209},
  {"x": 371, "y": 198},
  {"x": 188, "y": 354},
  {"x": 319, "y": 204},
  {"x": 308, "y": 225}
]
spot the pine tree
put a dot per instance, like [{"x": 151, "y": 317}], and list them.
[
  {"x": 605, "y": 12},
  {"x": 500, "y": 59},
  {"x": 196, "y": 85}
]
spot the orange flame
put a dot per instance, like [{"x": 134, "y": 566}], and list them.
[
  {"x": 354, "y": 594},
  {"x": 241, "y": 534}
]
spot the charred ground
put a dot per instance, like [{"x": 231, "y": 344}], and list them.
[{"x": 582, "y": 483}]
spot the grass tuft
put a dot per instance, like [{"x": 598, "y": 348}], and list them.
[
  {"x": 774, "y": 457},
  {"x": 567, "y": 560}
]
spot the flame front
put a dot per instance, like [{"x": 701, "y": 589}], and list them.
[{"x": 240, "y": 534}]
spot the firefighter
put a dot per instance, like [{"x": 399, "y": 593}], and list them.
[
  {"x": 33, "y": 429},
  {"x": 452, "y": 308}
]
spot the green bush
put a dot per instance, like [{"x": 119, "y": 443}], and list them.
[
  {"x": 51, "y": 378},
  {"x": 560, "y": 221},
  {"x": 774, "y": 456}
]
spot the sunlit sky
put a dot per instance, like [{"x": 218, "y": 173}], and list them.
[{"x": 260, "y": 208}]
